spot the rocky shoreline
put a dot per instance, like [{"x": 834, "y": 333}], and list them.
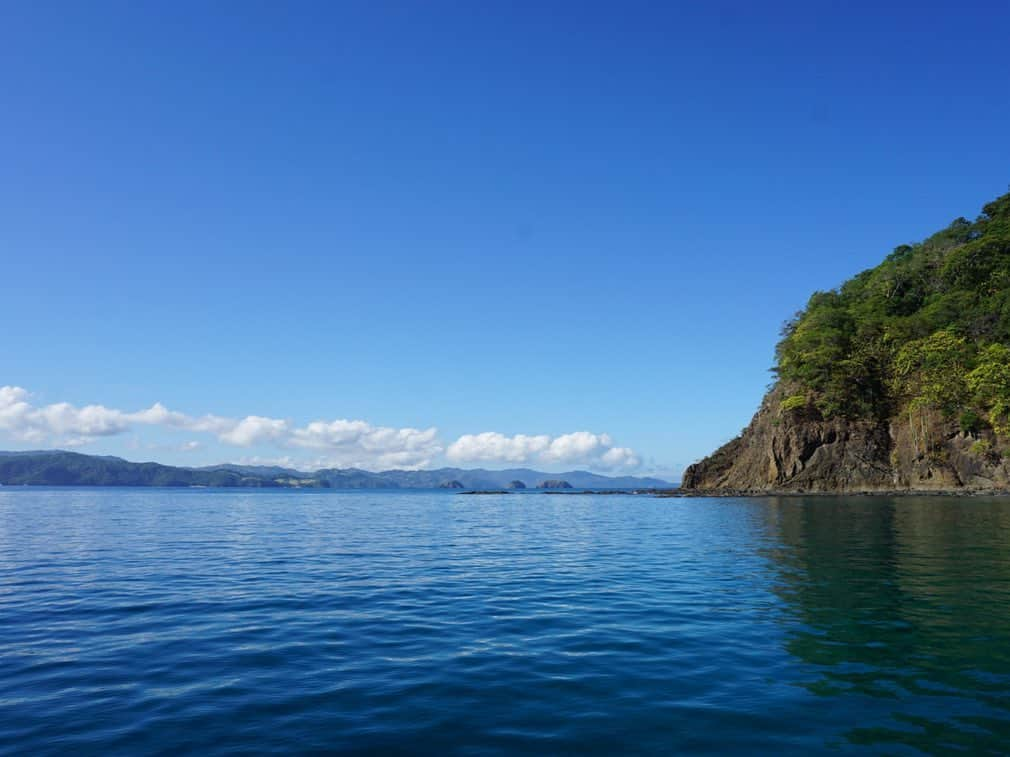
[
  {"x": 786, "y": 451},
  {"x": 756, "y": 493}
]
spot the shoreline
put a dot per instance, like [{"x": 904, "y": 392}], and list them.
[
  {"x": 760, "y": 493},
  {"x": 752, "y": 493}
]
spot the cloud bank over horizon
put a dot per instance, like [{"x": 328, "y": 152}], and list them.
[
  {"x": 336, "y": 443},
  {"x": 580, "y": 447}
]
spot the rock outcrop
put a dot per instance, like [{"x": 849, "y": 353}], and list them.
[
  {"x": 796, "y": 451},
  {"x": 451, "y": 485},
  {"x": 516, "y": 485},
  {"x": 554, "y": 483}
]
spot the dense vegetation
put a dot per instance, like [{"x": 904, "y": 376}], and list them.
[{"x": 925, "y": 334}]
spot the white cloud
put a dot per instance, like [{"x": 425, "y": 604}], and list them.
[
  {"x": 620, "y": 457},
  {"x": 255, "y": 429},
  {"x": 578, "y": 448},
  {"x": 335, "y": 444},
  {"x": 340, "y": 443},
  {"x": 72, "y": 424},
  {"x": 360, "y": 444},
  {"x": 492, "y": 446}
]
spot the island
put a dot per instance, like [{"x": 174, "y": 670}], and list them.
[
  {"x": 516, "y": 484},
  {"x": 898, "y": 380},
  {"x": 554, "y": 483},
  {"x": 451, "y": 485}
]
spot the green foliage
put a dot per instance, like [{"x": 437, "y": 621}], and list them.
[
  {"x": 931, "y": 371},
  {"x": 795, "y": 402},
  {"x": 990, "y": 382},
  {"x": 970, "y": 422},
  {"x": 985, "y": 449},
  {"x": 927, "y": 330}
]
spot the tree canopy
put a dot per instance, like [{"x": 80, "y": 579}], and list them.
[{"x": 928, "y": 327}]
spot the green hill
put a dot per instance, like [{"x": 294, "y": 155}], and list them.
[
  {"x": 928, "y": 327},
  {"x": 910, "y": 358},
  {"x": 73, "y": 469}
]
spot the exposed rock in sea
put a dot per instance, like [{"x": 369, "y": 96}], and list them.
[
  {"x": 516, "y": 485},
  {"x": 451, "y": 485},
  {"x": 554, "y": 483}
]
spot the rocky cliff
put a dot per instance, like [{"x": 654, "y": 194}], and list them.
[{"x": 796, "y": 450}]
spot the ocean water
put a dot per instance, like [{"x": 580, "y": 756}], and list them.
[{"x": 171, "y": 621}]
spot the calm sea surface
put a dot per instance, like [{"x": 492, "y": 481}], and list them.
[{"x": 166, "y": 621}]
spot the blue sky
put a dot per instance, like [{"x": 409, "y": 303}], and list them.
[{"x": 479, "y": 218}]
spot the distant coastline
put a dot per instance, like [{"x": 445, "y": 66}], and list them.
[{"x": 62, "y": 468}]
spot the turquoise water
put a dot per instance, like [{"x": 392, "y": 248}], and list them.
[{"x": 167, "y": 621}]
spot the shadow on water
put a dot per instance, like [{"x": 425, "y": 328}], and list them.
[{"x": 901, "y": 610}]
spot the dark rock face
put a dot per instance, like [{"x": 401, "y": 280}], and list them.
[
  {"x": 516, "y": 485},
  {"x": 450, "y": 485},
  {"x": 795, "y": 451},
  {"x": 554, "y": 483}
]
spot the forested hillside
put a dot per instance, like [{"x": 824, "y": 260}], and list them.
[
  {"x": 926, "y": 330},
  {"x": 911, "y": 358}
]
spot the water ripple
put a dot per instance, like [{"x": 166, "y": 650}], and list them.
[{"x": 167, "y": 621}]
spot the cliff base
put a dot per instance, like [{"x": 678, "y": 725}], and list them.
[{"x": 796, "y": 451}]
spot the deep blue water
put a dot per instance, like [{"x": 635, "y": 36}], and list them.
[{"x": 167, "y": 621}]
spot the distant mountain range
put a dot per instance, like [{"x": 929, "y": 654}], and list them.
[{"x": 59, "y": 468}]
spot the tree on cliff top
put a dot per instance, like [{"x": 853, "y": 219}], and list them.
[{"x": 928, "y": 327}]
